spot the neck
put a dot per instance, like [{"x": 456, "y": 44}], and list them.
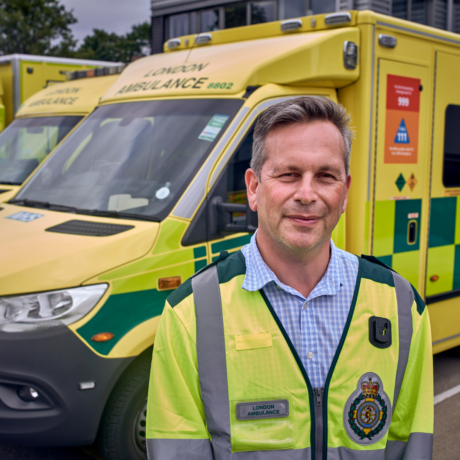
[{"x": 301, "y": 270}]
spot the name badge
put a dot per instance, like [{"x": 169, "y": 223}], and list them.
[{"x": 262, "y": 409}]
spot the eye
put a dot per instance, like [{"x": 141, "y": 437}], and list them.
[{"x": 327, "y": 176}]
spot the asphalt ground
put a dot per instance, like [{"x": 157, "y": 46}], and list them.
[{"x": 446, "y": 421}]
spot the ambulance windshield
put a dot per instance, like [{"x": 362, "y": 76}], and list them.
[
  {"x": 26, "y": 142},
  {"x": 132, "y": 158}
]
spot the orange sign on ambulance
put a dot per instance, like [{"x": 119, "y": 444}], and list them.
[{"x": 402, "y": 119}]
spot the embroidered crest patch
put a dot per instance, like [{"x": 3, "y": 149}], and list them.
[{"x": 367, "y": 414}]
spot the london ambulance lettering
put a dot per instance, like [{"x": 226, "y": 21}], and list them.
[
  {"x": 57, "y": 100},
  {"x": 402, "y": 119},
  {"x": 267, "y": 409},
  {"x": 168, "y": 83},
  {"x": 54, "y": 101}
]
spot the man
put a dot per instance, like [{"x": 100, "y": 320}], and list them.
[{"x": 292, "y": 348}]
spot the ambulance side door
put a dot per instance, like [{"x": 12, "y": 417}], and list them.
[
  {"x": 443, "y": 258},
  {"x": 401, "y": 168}
]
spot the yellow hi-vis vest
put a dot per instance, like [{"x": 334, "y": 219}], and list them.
[{"x": 226, "y": 382}]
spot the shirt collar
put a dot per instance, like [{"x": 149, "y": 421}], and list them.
[{"x": 259, "y": 274}]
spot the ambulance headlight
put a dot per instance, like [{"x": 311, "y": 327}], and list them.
[{"x": 32, "y": 312}]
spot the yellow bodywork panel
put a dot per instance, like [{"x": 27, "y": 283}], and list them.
[
  {"x": 216, "y": 70},
  {"x": 34, "y": 259},
  {"x": 76, "y": 96}
]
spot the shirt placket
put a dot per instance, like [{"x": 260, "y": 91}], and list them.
[{"x": 309, "y": 340}]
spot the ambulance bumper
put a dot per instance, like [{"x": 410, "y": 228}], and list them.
[{"x": 57, "y": 365}]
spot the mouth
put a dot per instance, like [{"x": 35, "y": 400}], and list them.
[{"x": 306, "y": 221}]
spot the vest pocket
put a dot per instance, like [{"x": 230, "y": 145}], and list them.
[
  {"x": 261, "y": 433},
  {"x": 251, "y": 341}
]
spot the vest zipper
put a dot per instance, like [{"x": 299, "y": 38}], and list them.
[{"x": 318, "y": 392}]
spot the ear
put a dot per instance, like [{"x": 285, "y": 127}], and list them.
[
  {"x": 347, "y": 185},
  {"x": 252, "y": 182}
]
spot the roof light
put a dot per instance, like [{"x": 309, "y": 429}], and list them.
[
  {"x": 350, "y": 55},
  {"x": 291, "y": 24},
  {"x": 173, "y": 43},
  {"x": 337, "y": 18},
  {"x": 387, "y": 41},
  {"x": 101, "y": 72},
  {"x": 201, "y": 39}
]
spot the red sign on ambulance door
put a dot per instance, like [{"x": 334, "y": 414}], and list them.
[{"x": 402, "y": 119}]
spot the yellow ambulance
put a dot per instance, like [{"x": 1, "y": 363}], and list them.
[
  {"x": 44, "y": 120},
  {"x": 150, "y": 188},
  {"x": 23, "y": 75}
]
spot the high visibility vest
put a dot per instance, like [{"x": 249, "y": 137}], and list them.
[{"x": 227, "y": 383}]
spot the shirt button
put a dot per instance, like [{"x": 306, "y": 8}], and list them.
[
  {"x": 305, "y": 305},
  {"x": 310, "y": 355}
]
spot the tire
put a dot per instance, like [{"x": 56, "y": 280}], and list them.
[{"x": 121, "y": 433}]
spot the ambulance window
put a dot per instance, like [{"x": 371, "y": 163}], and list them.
[
  {"x": 26, "y": 142},
  {"x": 236, "y": 185},
  {"x": 451, "y": 170},
  {"x": 135, "y": 157}
]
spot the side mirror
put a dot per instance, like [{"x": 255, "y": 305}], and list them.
[{"x": 221, "y": 217}]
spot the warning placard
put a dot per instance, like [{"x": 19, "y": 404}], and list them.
[{"x": 402, "y": 119}]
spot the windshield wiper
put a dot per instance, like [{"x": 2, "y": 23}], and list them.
[
  {"x": 5, "y": 182},
  {"x": 117, "y": 214},
  {"x": 43, "y": 204},
  {"x": 87, "y": 212}
]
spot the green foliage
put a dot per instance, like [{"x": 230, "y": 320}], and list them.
[
  {"x": 106, "y": 46},
  {"x": 29, "y": 26},
  {"x": 32, "y": 26}
]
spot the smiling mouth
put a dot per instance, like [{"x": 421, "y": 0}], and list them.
[{"x": 304, "y": 220}]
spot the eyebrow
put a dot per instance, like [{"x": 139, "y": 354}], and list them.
[
  {"x": 278, "y": 168},
  {"x": 293, "y": 168}
]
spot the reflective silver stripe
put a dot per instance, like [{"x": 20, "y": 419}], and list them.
[
  {"x": 418, "y": 447},
  {"x": 212, "y": 364},
  {"x": 294, "y": 454},
  {"x": 179, "y": 449},
  {"x": 405, "y": 296},
  {"x": 344, "y": 453}
]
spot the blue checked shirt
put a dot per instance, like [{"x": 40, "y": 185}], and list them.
[{"x": 314, "y": 324}]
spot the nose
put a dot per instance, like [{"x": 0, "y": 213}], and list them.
[{"x": 305, "y": 192}]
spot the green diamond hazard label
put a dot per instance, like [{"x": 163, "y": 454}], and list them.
[{"x": 400, "y": 182}]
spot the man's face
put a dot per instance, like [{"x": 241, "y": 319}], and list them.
[{"x": 303, "y": 188}]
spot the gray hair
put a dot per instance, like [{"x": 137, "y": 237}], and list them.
[{"x": 304, "y": 109}]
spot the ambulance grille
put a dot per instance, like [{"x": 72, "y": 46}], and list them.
[{"x": 86, "y": 228}]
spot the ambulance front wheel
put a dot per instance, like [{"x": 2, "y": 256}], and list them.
[{"x": 122, "y": 430}]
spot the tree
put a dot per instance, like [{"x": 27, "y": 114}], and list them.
[
  {"x": 30, "y": 26},
  {"x": 105, "y": 46}
]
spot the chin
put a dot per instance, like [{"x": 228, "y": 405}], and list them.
[{"x": 301, "y": 244}]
